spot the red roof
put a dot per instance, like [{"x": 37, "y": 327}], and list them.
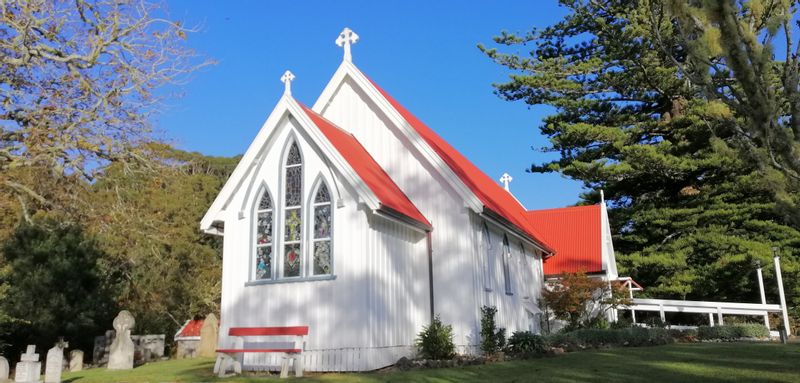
[
  {"x": 191, "y": 328},
  {"x": 576, "y": 234},
  {"x": 391, "y": 197},
  {"x": 492, "y": 196}
]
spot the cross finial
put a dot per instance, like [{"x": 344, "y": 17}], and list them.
[
  {"x": 286, "y": 79},
  {"x": 347, "y": 37},
  {"x": 506, "y": 179}
]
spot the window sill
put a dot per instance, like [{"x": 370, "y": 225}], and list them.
[
  {"x": 509, "y": 293},
  {"x": 290, "y": 280}
]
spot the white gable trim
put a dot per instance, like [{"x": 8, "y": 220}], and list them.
[
  {"x": 347, "y": 69},
  {"x": 253, "y": 158}
]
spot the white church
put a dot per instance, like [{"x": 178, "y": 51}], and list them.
[{"x": 354, "y": 218}]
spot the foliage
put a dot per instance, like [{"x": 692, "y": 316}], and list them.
[
  {"x": 593, "y": 338},
  {"x": 493, "y": 340},
  {"x": 436, "y": 341},
  {"x": 582, "y": 301},
  {"x": 55, "y": 287},
  {"x": 688, "y": 127},
  {"x": 742, "y": 362},
  {"x": 732, "y": 332},
  {"x": 147, "y": 224},
  {"x": 78, "y": 85},
  {"x": 525, "y": 344},
  {"x": 685, "y": 335}
]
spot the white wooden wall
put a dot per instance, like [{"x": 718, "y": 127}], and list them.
[
  {"x": 458, "y": 265},
  {"x": 364, "y": 319}
]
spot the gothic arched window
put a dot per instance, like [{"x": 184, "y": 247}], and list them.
[
  {"x": 264, "y": 236},
  {"x": 506, "y": 259},
  {"x": 487, "y": 254},
  {"x": 293, "y": 213},
  {"x": 321, "y": 237}
]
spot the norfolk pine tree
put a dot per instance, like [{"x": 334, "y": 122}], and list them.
[{"x": 695, "y": 195}]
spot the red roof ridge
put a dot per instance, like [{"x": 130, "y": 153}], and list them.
[
  {"x": 571, "y": 208},
  {"x": 493, "y": 197},
  {"x": 390, "y": 196}
]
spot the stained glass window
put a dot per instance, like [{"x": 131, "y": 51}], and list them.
[
  {"x": 264, "y": 237},
  {"x": 506, "y": 271},
  {"x": 293, "y": 213},
  {"x": 323, "y": 224}
]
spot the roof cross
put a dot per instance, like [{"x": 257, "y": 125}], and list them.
[
  {"x": 286, "y": 79},
  {"x": 347, "y": 37},
  {"x": 506, "y": 179}
]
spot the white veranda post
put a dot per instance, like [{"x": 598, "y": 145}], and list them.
[
  {"x": 345, "y": 39},
  {"x": 780, "y": 292}
]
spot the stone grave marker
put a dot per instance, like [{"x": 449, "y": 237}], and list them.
[
  {"x": 54, "y": 364},
  {"x": 209, "y": 334},
  {"x": 29, "y": 369},
  {"x": 122, "y": 348},
  {"x": 75, "y": 360},
  {"x": 3, "y": 369}
]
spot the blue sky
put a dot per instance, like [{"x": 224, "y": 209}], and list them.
[{"x": 422, "y": 52}]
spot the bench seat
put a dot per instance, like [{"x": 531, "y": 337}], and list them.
[{"x": 236, "y": 350}]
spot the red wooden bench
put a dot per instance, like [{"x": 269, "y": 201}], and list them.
[{"x": 231, "y": 358}]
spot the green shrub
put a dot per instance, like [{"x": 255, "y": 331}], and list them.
[
  {"x": 492, "y": 339},
  {"x": 436, "y": 341},
  {"x": 598, "y": 337},
  {"x": 732, "y": 332},
  {"x": 685, "y": 336},
  {"x": 632, "y": 336},
  {"x": 526, "y": 343}
]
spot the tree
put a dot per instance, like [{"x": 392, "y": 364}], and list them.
[
  {"x": 694, "y": 200},
  {"x": 54, "y": 286},
  {"x": 581, "y": 300},
  {"x": 147, "y": 224},
  {"x": 77, "y": 89},
  {"x": 726, "y": 40}
]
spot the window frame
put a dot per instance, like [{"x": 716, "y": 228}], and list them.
[
  {"x": 486, "y": 248},
  {"x": 506, "y": 254},
  {"x": 263, "y": 191},
  {"x": 283, "y": 170},
  {"x": 311, "y": 216}
]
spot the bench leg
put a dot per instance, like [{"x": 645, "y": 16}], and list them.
[
  {"x": 284, "y": 366},
  {"x": 298, "y": 366},
  {"x": 218, "y": 363}
]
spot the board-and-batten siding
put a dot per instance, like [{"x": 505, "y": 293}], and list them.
[
  {"x": 364, "y": 319},
  {"x": 456, "y": 248},
  {"x": 454, "y": 300}
]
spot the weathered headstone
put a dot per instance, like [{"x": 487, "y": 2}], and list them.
[
  {"x": 121, "y": 357},
  {"x": 208, "y": 337},
  {"x": 102, "y": 348},
  {"x": 29, "y": 369},
  {"x": 75, "y": 360},
  {"x": 3, "y": 369},
  {"x": 147, "y": 348},
  {"x": 54, "y": 363}
]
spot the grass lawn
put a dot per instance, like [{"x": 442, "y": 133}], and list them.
[{"x": 699, "y": 362}]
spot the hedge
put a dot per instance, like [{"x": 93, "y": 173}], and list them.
[
  {"x": 633, "y": 336},
  {"x": 732, "y": 332}
]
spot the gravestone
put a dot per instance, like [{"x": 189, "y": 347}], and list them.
[
  {"x": 122, "y": 348},
  {"x": 54, "y": 364},
  {"x": 75, "y": 360},
  {"x": 208, "y": 337},
  {"x": 29, "y": 369},
  {"x": 102, "y": 348},
  {"x": 3, "y": 369}
]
